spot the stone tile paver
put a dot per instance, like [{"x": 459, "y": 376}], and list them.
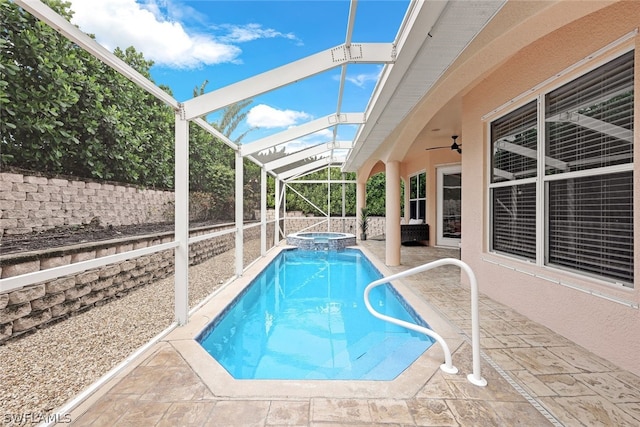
[
  {"x": 593, "y": 410},
  {"x": 582, "y": 359},
  {"x": 340, "y": 410},
  {"x": 563, "y": 385},
  {"x": 539, "y": 360},
  {"x": 233, "y": 413},
  {"x": 531, "y": 383},
  {"x": 609, "y": 387},
  {"x": 390, "y": 411},
  {"x": 474, "y": 413},
  {"x": 288, "y": 413},
  {"x": 143, "y": 414},
  {"x": 187, "y": 414},
  {"x": 431, "y": 412}
]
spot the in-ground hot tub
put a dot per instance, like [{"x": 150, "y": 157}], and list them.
[{"x": 321, "y": 240}]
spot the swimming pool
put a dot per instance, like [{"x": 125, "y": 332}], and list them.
[{"x": 303, "y": 317}]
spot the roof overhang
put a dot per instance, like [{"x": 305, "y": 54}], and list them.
[{"x": 433, "y": 35}]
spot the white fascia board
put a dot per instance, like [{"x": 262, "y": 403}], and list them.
[
  {"x": 302, "y": 130},
  {"x": 74, "y": 34},
  {"x": 305, "y": 168},
  {"x": 415, "y": 29},
  {"x": 362, "y": 53}
]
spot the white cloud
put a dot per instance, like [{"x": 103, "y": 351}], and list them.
[
  {"x": 320, "y": 137},
  {"x": 124, "y": 23},
  {"x": 264, "y": 116},
  {"x": 250, "y": 32},
  {"x": 362, "y": 79}
]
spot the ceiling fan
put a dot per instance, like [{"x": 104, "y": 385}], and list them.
[{"x": 454, "y": 146}]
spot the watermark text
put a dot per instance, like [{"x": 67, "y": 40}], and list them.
[{"x": 27, "y": 418}]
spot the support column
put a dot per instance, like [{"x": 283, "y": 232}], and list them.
[
  {"x": 276, "y": 235},
  {"x": 392, "y": 209},
  {"x": 239, "y": 214},
  {"x": 344, "y": 207},
  {"x": 284, "y": 209},
  {"x": 329, "y": 198},
  {"x": 263, "y": 211},
  {"x": 181, "y": 253},
  {"x": 361, "y": 202}
]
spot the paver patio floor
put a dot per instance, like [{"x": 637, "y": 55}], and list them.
[{"x": 535, "y": 378}]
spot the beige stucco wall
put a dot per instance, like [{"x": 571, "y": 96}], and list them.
[{"x": 606, "y": 328}]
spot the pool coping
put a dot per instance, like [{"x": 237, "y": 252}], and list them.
[{"x": 221, "y": 383}]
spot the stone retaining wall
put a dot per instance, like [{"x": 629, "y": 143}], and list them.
[
  {"x": 31, "y": 203},
  {"x": 34, "y": 306},
  {"x": 35, "y": 203}
]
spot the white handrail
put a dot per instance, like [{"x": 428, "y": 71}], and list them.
[{"x": 475, "y": 377}]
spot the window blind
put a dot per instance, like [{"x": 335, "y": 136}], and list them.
[
  {"x": 514, "y": 220},
  {"x": 514, "y": 140},
  {"x": 589, "y": 121},
  {"x": 590, "y": 225}
]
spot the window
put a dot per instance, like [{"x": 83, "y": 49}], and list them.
[
  {"x": 418, "y": 196},
  {"x": 572, "y": 175},
  {"x": 513, "y": 194}
]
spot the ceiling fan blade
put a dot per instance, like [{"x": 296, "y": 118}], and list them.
[{"x": 437, "y": 148}]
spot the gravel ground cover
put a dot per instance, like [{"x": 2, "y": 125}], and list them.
[{"x": 42, "y": 371}]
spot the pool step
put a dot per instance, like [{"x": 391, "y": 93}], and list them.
[
  {"x": 397, "y": 361},
  {"x": 384, "y": 360},
  {"x": 366, "y": 359}
]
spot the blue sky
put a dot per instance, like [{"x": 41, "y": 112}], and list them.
[{"x": 224, "y": 42}]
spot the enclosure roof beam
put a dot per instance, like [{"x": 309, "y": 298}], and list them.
[
  {"x": 298, "y": 178},
  {"x": 506, "y": 145},
  {"x": 215, "y": 132},
  {"x": 316, "y": 150},
  {"x": 309, "y": 167},
  {"x": 297, "y": 156},
  {"x": 362, "y": 53},
  {"x": 321, "y": 181},
  {"x": 302, "y": 130},
  {"x": 593, "y": 124},
  {"x": 74, "y": 34}
]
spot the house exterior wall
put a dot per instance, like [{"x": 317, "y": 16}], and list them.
[{"x": 607, "y": 328}]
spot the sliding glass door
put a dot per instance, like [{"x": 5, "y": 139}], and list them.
[{"x": 449, "y": 227}]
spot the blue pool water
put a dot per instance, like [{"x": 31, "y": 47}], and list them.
[
  {"x": 304, "y": 317},
  {"x": 321, "y": 237}
]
